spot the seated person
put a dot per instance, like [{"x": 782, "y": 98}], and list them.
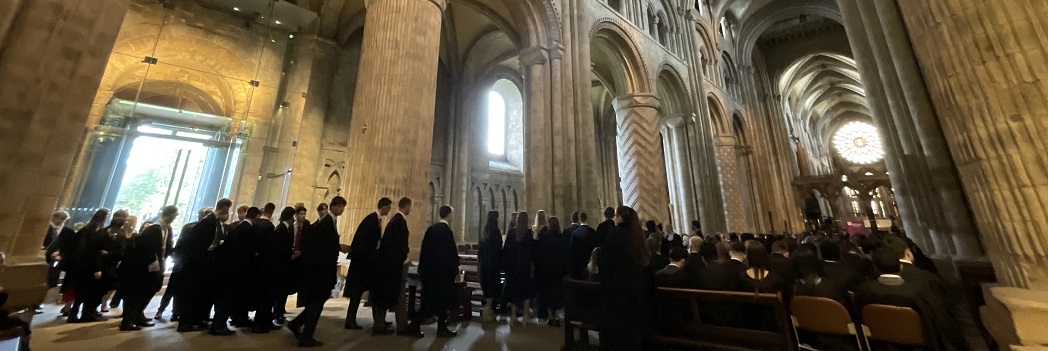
[
  {"x": 658, "y": 261},
  {"x": 12, "y": 327},
  {"x": 757, "y": 279},
  {"x": 672, "y": 314},
  {"x": 694, "y": 264},
  {"x": 840, "y": 272},
  {"x": 941, "y": 332},
  {"x": 910, "y": 272},
  {"x": 673, "y": 276},
  {"x": 779, "y": 260},
  {"x": 812, "y": 281},
  {"x": 723, "y": 274}
]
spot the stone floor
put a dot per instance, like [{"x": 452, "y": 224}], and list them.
[{"x": 51, "y": 333}]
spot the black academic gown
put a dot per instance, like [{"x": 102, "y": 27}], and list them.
[
  {"x": 625, "y": 294},
  {"x": 319, "y": 261},
  {"x": 488, "y": 256},
  {"x": 518, "y": 262},
  {"x": 552, "y": 264},
  {"x": 389, "y": 264},
  {"x": 583, "y": 241},
  {"x": 137, "y": 282},
  {"x": 234, "y": 268},
  {"x": 437, "y": 267},
  {"x": 276, "y": 257},
  {"x": 603, "y": 229},
  {"x": 362, "y": 252},
  {"x": 195, "y": 267},
  {"x": 63, "y": 239},
  {"x": 941, "y": 331}
]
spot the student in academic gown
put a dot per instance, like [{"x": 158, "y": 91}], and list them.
[
  {"x": 438, "y": 265},
  {"x": 57, "y": 233},
  {"x": 605, "y": 227},
  {"x": 552, "y": 257},
  {"x": 93, "y": 262},
  {"x": 176, "y": 280},
  {"x": 625, "y": 285},
  {"x": 273, "y": 269},
  {"x": 235, "y": 279},
  {"x": 195, "y": 251},
  {"x": 80, "y": 265},
  {"x": 518, "y": 261},
  {"x": 583, "y": 240},
  {"x": 362, "y": 252},
  {"x": 488, "y": 256},
  {"x": 143, "y": 271},
  {"x": 320, "y": 249},
  {"x": 389, "y": 270},
  {"x": 574, "y": 223}
]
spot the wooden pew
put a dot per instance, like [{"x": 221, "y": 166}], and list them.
[
  {"x": 582, "y": 312},
  {"x": 699, "y": 335}
]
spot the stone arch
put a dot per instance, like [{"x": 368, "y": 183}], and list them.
[
  {"x": 672, "y": 92},
  {"x": 758, "y": 22},
  {"x": 614, "y": 48},
  {"x": 717, "y": 115}
]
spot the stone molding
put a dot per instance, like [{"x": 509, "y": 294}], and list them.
[
  {"x": 636, "y": 100},
  {"x": 535, "y": 55}
]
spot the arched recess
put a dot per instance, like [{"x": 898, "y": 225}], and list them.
[{"x": 747, "y": 185}]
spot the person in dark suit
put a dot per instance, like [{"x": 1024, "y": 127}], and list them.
[
  {"x": 779, "y": 260},
  {"x": 175, "y": 281},
  {"x": 673, "y": 313},
  {"x": 142, "y": 270},
  {"x": 389, "y": 270},
  {"x": 195, "y": 252},
  {"x": 911, "y": 273},
  {"x": 605, "y": 227},
  {"x": 694, "y": 265},
  {"x": 625, "y": 286},
  {"x": 320, "y": 249},
  {"x": 842, "y": 273},
  {"x": 575, "y": 223},
  {"x": 723, "y": 273},
  {"x": 438, "y": 266},
  {"x": 552, "y": 257},
  {"x": 582, "y": 242},
  {"x": 673, "y": 275},
  {"x": 57, "y": 235},
  {"x": 488, "y": 256},
  {"x": 234, "y": 270},
  {"x": 671, "y": 240},
  {"x": 941, "y": 331},
  {"x": 362, "y": 252},
  {"x": 272, "y": 269},
  {"x": 86, "y": 267}
]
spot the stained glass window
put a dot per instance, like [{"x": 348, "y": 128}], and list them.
[{"x": 858, "y": 142}]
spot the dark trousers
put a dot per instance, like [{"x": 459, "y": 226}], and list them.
[
  {"x": 264, "y": 313},
  {"x": 165, "y": 301},
  {"x": 355, "y": 295},
  {"x": 442, "y": 319},
  {"x": 280, "y": 306},
  {"x": 308, "y": 319},
  {"x": 194, "y": 298},
  {"x": 134, "y": 308},
  {"x": 89, "y": 295}
]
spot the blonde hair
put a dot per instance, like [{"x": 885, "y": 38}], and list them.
[
  {"x": 541, "y": 221},
  {"x": 130, "y": 222}
]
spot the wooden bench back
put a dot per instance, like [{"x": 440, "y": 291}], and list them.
[{"x": 701, "y": 335}]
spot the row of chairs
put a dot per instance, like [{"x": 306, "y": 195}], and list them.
[{"x": 890, "y": 324}]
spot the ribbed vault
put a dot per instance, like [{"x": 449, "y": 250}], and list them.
[{"x": 822, "y": 91}]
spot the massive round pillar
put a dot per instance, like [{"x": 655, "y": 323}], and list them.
[
  {"x": 391, "y": 132},
  {"x": 641, "y": 165}
]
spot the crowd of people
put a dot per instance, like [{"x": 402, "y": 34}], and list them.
[{"x": 253, "y": 263}]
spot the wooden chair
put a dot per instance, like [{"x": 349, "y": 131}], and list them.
[
  {"x": 892, "y": 324},
  {"x": 824, "y": 316}
]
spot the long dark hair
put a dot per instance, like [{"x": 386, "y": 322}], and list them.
[
  {"x": 521, "y": 230},
  {"x": 554, "y": 226},
  {"x": 631, "y": 222},
  {"x": 491, "y": 227},
  {"x": 97, "y": 221}
]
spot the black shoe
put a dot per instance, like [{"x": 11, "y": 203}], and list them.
[
  {"x": 174, "y": 318},
  {"x": 384, "y": 331},
  {"x": 412, "y": 331},
  {"x": 260, "y": 330},
  {"x": 222, "y": 332},
  {"x": 185, "y": 328},
  {"x": 353, "y": 326},
  {"x": 274, "y": 326},
  {"x": 92, "y": 319},
  {"x": 295, "y": 329},
  {"x": 146, "y": 324},
  {"x": 129, "y": 327},
  {"x": 444, "y": 333},
  {"x": 72, "y": 319},
  {"x": 203, "y": 326},
  {"x": 159, "y": 316},
  {"x": 309, "y": 343}
]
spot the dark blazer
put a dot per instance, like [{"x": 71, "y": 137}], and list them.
[
  {"x": 844, "y": 274},
  {"x": 193, "y": 247},
  {"x": 583, "y": 240},
  {"x": 389, "y": 263},
  {"x": 363, "y": 250},
  {"x": 693, "y": 269},
  {"x": 941, "y": 329},
  {"x": 603, "y": 229},
  {"x": 147, "y": 249},
  {"x": 438, "y": 264},
  {"x": 781, "y": 266},
  {"x": 318, "y": 264},
  {"x": 721, "y": 276},
  {"x": 928, "y": 280},
  {"x": 672, "y": 277}
]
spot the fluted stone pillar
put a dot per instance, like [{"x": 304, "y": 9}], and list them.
[
  {"x": 538, "y": 165},
  {"x": 986, "y": 68},
  {"x": 52, "y": 57},
  {"x": 392, "y": 128},
  {"x": 641, "y": 165},
  {"x": 682, "y": 191},
  {"x": 727, "y": 161},
  {"x": 308, "y": 160}
]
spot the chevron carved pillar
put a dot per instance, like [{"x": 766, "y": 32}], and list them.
[
  {"x": 730, "y": 186},
  {"x": 641, "y": 166},
  {"x": 391, "y": 132}
]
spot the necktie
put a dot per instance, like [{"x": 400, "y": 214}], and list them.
[{"x": 298, "y": 237}]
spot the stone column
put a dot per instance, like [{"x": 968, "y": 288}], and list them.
[
  {"x": 682, "y": 191},
  {"x": 538, "y": 170},
  {"x": 391, "y": 132},
  {"x": 987, "y": 76},
  {"x": 730, "y": 186},
  {"x": 308, "y": 159},
  {"x": 54, "y": 53},
  {"x": 641, "y": 165}
]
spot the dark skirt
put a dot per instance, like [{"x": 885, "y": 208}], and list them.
[
  {"x": 490, "y": 279},
  {"x": 520, "y": 286}
]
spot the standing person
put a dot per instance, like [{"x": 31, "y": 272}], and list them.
[
  {"x": 574, "y": 223},
  {"x": 82, "y": 266},
  {"x": 389, "y": 270},
  {"x": 280, "y": 249},
  {"x": 176, "y": 271},
  {"x": 605, "y": 227},
  {"x": 671, "y": 241},
  {"x": 438, "y": 265},
  {"x": 541, "y": 223},
  {"x": 112, "y": 241},
  {"x": 362, "y": 252},
  {"x": 234, "y": 263},
  {"x": 195, "y": 251},
  {"x": 518, "y": 257},
  {"x": 488, "y": 265},
  {"x": 322, "y": 211},
  {"x": 320, "y": 249},
  {"x": 143, "y": 269},
  {"x": 241, "y": 214},
  {"x": 624, "y": 286},
  {"x": 58, "y": 235},
  {"x": 301, "y": 227},
  {"x": 126, "y": 243},
  {"x": 270, "y": 254},
  {"x": 551, "y": 266},
  {"x": 582, "y": 242}
]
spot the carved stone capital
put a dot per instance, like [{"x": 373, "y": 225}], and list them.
[
  {"x": 535, "y": 55},
  {"x": 674, "y": 122},
  {"x": 556, "y": 52},
  {"x": 724, "y": 140},
  {"x": 635, "y": 100}
]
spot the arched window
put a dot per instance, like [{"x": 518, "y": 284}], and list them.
[
  {"x": 496, "y": 123},
  {"x": 505, "y": 125}
]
